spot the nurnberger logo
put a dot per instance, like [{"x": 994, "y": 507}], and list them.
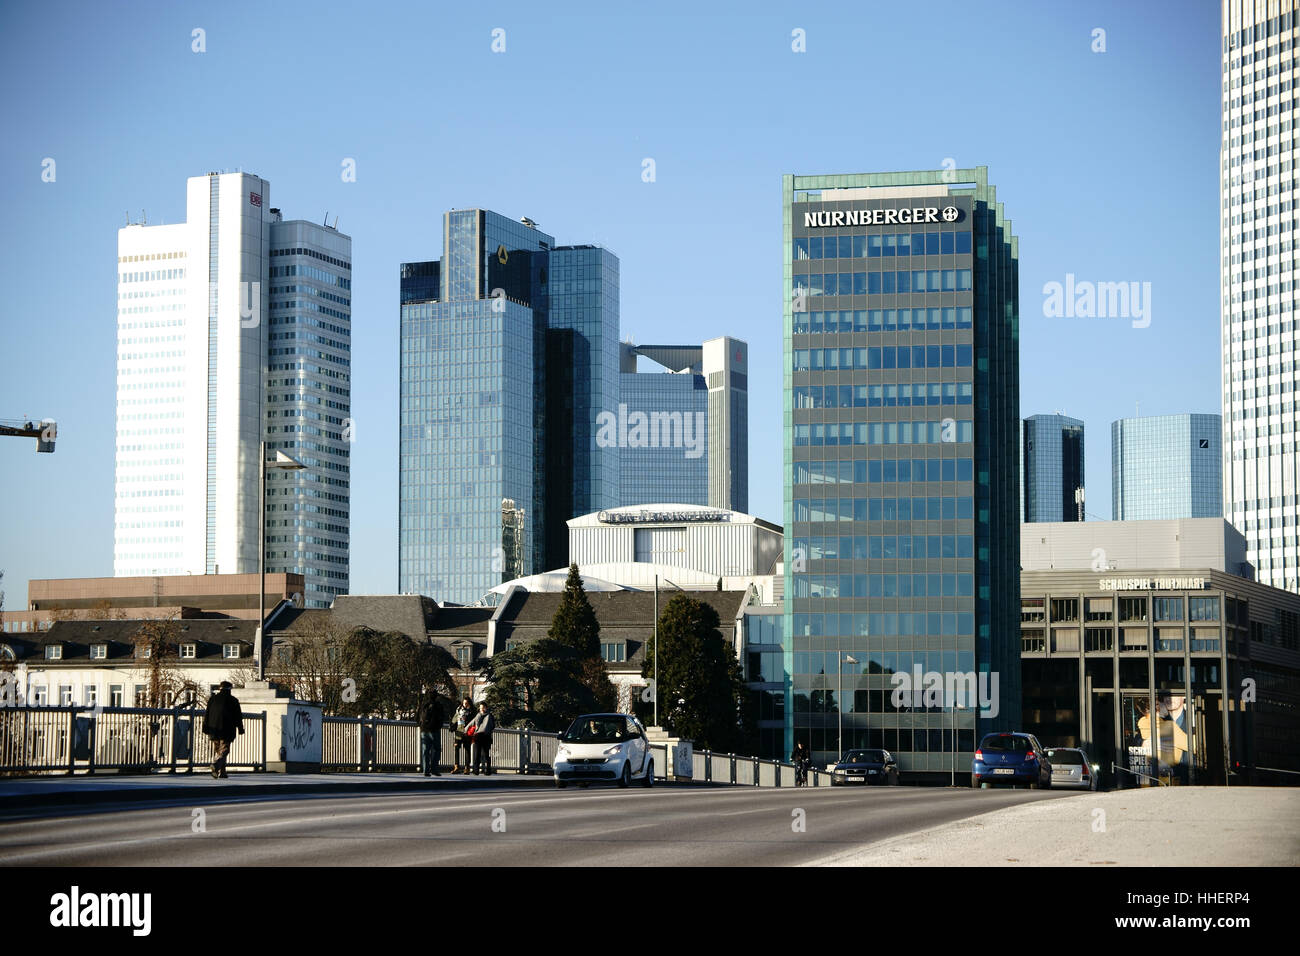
[{"x": 880, "y": 217}]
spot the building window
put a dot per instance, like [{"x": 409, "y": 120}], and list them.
[
  {"x": 143, "y": 650},
  {"x": 1033, "y": 640},
  {"x": 65, "y": 695},
  {"x": 1031, "y": 610},
  {"x": 141, "y": 695},
  {"x": 37, "y": 696},
  {"x": 98, "y": 652},
  {"x": 1098, "y": 639},
  {"x": 114, "y": 695},
  {"x": 1167, "y": 608},
  {"x": 188, "y": 651},
  {"x": 463, "y": 655},
  {"x": 231, "y": 651},
  {"x": 92, "y": 695},
  {"x": 1132, "y": 609},
  {"x": 1203, "y": 609},
  {"x": 53, "y": 652},
  {"x": 1099, "y": 609},
  {"x": 1064, "y": 609},
  {"x": 614, "y": 652}
]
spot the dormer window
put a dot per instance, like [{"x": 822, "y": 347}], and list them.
[
  {"x": 230, "y": 651},
  {"x": 143, "y": 650},
  {"x": 98, "y": 652},
  {"x": 54, "y": 652},
  {"x": 614, "y": 652},
  {"x": 189, "y": 651},
  {"x": 463, "y": 655}
]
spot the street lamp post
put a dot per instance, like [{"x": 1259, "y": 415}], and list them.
[
  {"x": 955, "y": 707},
  {"x": 285, "y": 463},
  {"x": 841, "y": 658}
]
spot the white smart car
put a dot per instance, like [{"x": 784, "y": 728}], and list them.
[{"x": 605, "y": 747}]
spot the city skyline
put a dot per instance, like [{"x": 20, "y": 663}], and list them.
[{"x": 712, "y": 183}]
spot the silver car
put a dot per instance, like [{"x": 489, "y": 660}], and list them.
[{"x": 1072, "y": 768}]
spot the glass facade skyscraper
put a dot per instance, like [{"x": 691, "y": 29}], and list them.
[
  {"x": 508, "y": 350},
  {"x": 582, "y": 380},
  {"x": 1258, "y": 193},
  {"x": 901, "y": 417},
  {"x": 1051, "y": 468},
  {"x": 1166, "y": 466},
  {"x": 692, "y": 446}
]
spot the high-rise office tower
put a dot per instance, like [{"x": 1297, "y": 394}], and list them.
[
  {"x": 582, "y": 380},
  {"x": 1051, "y": 468},
  {"x": 901, "y": 483},
  {"x": 1258, "y": 195},
  {"x": 308, "y": 406},
  {"x": 509, "y": 350},
  {"x": 1166, "y": 466},
  {"x": 198, "y": 324},
  {"x": 684, "y": 431}
]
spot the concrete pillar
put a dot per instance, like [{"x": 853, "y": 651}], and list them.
[{"x": 294, "y": 730}]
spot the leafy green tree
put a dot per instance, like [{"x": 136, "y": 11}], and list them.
[
  {"x": 390, "y": 670},
  {"x": 575, "y": 622},
  {"x": 546, "y": 683},
  {"x": 701, "y": 691}
]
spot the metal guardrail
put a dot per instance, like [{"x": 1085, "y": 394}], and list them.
[{"x": 126, "y": 739}]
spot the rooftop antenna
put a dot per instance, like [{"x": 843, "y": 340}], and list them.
[
  {"x": 327, "y": 218},
  {"x": 144, "y": 220},
  {"x": 336, "y": 223}
]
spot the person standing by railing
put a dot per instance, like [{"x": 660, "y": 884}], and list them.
[
  {"x": 480, "y": 731},
  {"x": 464, "y": 714},
  {"x": 220, "y": 724},
  {"x": 430, "y": 720}
]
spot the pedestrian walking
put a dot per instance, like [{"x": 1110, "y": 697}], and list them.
[
  {"x": 221, "y": 723},
  {"x": 480, "y": 731},
  {"x": 464, "y": 714},
  {"x": 430, "y": 720},
  {"x": 801, "y": 759}
]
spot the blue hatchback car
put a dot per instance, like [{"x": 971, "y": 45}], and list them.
[{"x": 1011, "y": 758}]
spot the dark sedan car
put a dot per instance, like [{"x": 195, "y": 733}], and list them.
[
  {"x": 865, "y": 767},
  {"x": 1011, "y": 758}
]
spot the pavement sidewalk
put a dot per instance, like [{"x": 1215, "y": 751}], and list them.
[
  {"x": 25, "y": 793},
  {"x": 1157, "y": 826}
]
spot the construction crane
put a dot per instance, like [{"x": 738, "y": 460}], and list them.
[{"x": 44, "y": 431}]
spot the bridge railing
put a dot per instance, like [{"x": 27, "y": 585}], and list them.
[
  {"x": 140, "y": 739},
  {"x": 366, "y": 744},
  {"x": 371, "y": 744}
]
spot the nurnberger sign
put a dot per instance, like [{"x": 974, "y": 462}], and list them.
[{"x": 880, "y": 217}]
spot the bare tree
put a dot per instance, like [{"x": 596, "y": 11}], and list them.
[
  {"x": 308, "y": 662},
  {"x": 157, "y": 658}
]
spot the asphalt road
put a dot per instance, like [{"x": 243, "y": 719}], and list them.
[{"x": 673, "y": 826}]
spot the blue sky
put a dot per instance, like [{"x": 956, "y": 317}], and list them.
[{"x": 1107, "y": 163}]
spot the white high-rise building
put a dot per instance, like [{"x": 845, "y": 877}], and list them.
[
  {"x": 233, "y": 327},
  {"x": 1258, "y": 223}
]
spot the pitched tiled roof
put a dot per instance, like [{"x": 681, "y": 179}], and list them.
[{"x": 208, "y": 634}]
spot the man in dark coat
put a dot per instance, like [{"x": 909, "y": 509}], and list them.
[
  {"x": 429, "y": 718},
  {"x": 223, "y": 720}
]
